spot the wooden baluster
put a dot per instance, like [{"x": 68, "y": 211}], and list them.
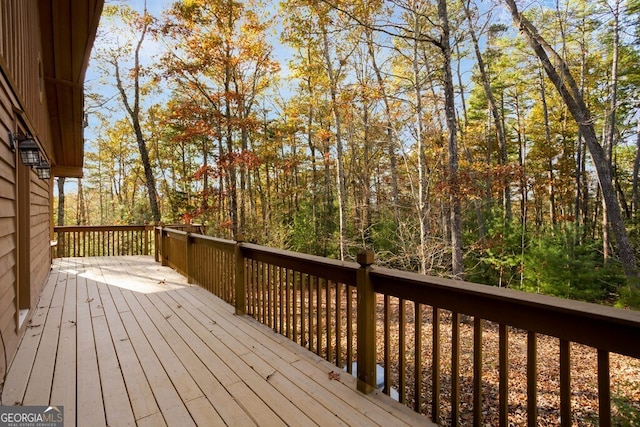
[
  {"x": 604, "y": 389},
  {"x": 339, "y": 324},
  {"x": 455, "y": 369},
  {"x": 402, "y": 357},
  {"x": 261, "y": 293},
  {"x": 349, "y": 328},
  {"x": 281, "y": 292},
  {"x": 435, "y": 366},
  {"x": 288, "y": 290},
  {"x": 328, "y": 287},
  {"x": 387, "y": 345},
  {"x": 565, "y": 383},
  {"x": 310, "y": 310},
  {"x": 532, "y": 379},
  {"x": 303, "y": 312},
  {"x": 417, "y": 385},
  {"x": 269, "y": 297},
  {"x": 294, "y": 305},
  {"x": 503, "y": 389},
  {"x": 477, "y": 371},
  {"x": 318, "y": 316}
]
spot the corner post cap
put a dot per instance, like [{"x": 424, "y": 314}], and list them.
[
  {"x": 365, "y": 257},
  {"x": 239, "y": 237}
]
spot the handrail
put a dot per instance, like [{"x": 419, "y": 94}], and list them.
[
  {"x": 101, "y": 240},
  {"x": 327, "y": 268},
  {"x": 82, "y": 228},
  {"x": 590, "y": 324},
  {"x": 328, "y": 306}
]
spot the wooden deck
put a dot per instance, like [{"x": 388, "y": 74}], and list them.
[{"x": 122, "y": 341}]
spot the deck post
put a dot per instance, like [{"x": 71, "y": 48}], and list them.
[
  {"x": 366, "y": 329},
  {"x": 188, "y": 262},
  {"x": 156, "y": 239},
  {"x": 240, "y": 282},
  {"x": 163, "y": 255},
  {"x": 146, "y": 232}
]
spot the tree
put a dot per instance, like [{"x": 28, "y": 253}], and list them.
[
  {"x": 452, "y": 138},
  {"x": 61, "y": 180},
  {"x": 564, "y": 82},
  {"x": 129, "y": 85},
  {"x": 224, "y": 62}
]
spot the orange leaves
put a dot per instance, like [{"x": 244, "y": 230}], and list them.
[
  {"x": 202, "y": 171},
  {"x": 246, "y": 160},
  {"x": 324, "y": 135}
]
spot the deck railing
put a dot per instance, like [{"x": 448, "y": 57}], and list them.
[
  {"x": 109, "y": 240},
  {"x": 424, "y": 333}
]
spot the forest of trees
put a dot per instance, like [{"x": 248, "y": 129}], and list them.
[{"x": 491, "y": 141}]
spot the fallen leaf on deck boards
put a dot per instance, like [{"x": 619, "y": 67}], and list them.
[
  {"x": 35, "y": 335},
  {"x": 179, "y": 305},
  {"x": 270, "y": 375},
  {"x": 167, "y": 316},
  {"x": 73, "y": 322},
  {"x": 34, "y": 325},
  {"x": 334, "y": 375},
  {"x": 124, "y": 339},
  {"x": 89, "y": 299},
  {"x": 161, "y": 282}
]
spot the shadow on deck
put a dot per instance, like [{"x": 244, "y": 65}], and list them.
[{"x": 123, "y": 341}]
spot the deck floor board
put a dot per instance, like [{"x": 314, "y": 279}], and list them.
[{"x": 123, "y": 341}]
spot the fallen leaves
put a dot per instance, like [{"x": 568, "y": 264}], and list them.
[{"x": 334, "y": 376}]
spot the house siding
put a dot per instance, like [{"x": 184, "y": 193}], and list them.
[{"x": 23, "y": 107}]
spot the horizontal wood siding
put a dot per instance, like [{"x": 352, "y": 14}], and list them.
[
  {"x": 40, "y": 235},
  {"x": 21, "y": 104},
  {"x": 8, "y": 253},
  {"x": 21, "y": 62}
]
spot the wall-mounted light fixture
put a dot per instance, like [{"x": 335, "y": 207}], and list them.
[
  {"x": 26, "y": 145},
  {"x": 43, "y": 169}
]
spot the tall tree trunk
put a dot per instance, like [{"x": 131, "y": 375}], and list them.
[
  {"x": 333, "y": 88},
  {"x": 610, "y": 124},
  {"x": 366, "y": 176},
  {"x": 522, "y": 155},
  {"x": 493, "y": 107},
  {"x": 312, "y": 148},
  {"x": 568, "y": 89},
  {"x": 450, "y": 113},
  {"x": 389, "y": 134},
  {"x": 134, "y": 114},
  {"x": 232, "y": 185},
  {"x": 421, "y": 199},
  {"x": 547, "y": 140},
  {"x": 61, "y": 180},
  {"x": 81, "y": 217},
  {"x": 636, "y": 169}
]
